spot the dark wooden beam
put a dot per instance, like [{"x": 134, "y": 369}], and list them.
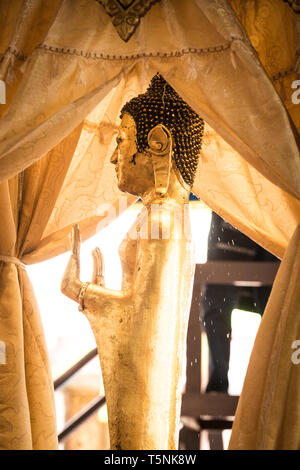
[
  {"x": 236, "y": 273},
  {"x": 208, "y": 404}
]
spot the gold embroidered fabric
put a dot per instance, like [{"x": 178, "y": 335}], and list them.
[
  {"x": 272, "y": 30},
  {"x": 60, "y": 124},
  {"x": 294, "y": 4},
  {"x": 126, "y": 14}
]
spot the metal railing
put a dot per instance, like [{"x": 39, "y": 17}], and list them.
[
  {"x": 81, "y": 416},
  {"x": 75, "y": 368},
  {"x": 87, "y": 411}
]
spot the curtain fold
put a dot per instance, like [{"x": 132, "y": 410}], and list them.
[
  {"x": 274, "y": 33},
  {"x": 26, "y": 393},
  {"x": 15, "y": 430},
  {"x": 59, "y": 126},
  {"x": 216, "y": 70},
  {"x": 268, "y": 413},
  {"x": 23, "y": 25}
]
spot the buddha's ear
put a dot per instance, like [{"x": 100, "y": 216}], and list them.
[{"x": 160, "y": 149}]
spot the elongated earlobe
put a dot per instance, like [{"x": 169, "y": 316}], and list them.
[{"x": 160, "y": 149}]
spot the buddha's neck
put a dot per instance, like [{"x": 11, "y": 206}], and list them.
[{"x": 176, "y": 194}]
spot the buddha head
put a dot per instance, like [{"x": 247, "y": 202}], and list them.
[{"x": 161, "y": 108}]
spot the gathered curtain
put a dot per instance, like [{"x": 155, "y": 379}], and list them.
[
  {"x": 56, "y": 138},
  {"x": 26, "y": 388}
]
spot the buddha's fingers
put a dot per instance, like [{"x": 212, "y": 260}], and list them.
[
  {"x": 75, "y": 240},
  {"x": 98, "y": 270},
  {"x": 71, "y": 284}
]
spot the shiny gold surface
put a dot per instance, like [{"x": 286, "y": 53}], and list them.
[{"x": 141, "y": 329}]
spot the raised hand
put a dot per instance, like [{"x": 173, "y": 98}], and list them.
[{"x": 71, "y": 285}]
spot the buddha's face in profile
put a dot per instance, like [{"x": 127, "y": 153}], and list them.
[{"x": 134, "y": 170}]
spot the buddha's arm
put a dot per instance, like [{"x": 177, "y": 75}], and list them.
[
  {"x": 155, "y": 257},
  {"x": 73, "y": 287}
]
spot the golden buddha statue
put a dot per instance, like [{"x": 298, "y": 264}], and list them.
[{"x": 141, "y": 329}]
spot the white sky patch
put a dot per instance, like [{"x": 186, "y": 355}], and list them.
[{"x": 2, "y": 352}]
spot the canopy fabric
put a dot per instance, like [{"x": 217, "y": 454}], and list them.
[
  {"x": 64, "y": 110},
  {"x": 210, "y": 63}
]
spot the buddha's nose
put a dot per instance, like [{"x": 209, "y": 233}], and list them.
[{"x": 114, "y": 157}]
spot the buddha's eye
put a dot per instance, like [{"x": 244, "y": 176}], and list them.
[{"x": 119, "y": 140}]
